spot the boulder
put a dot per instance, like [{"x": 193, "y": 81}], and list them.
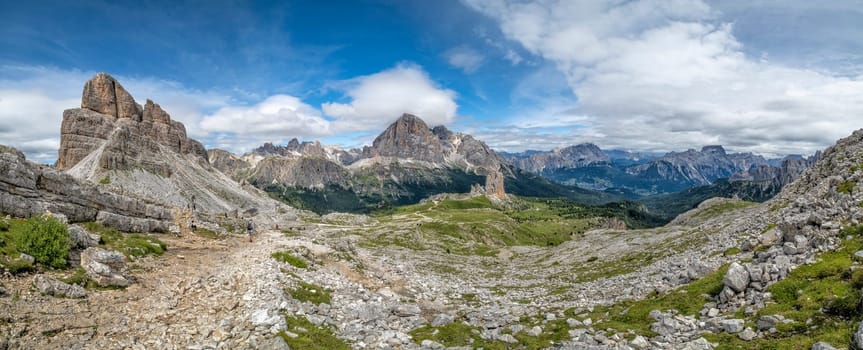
[
  {"x": 857, "y": 338},
  {"x": 81, "y": 238},
  {"x": 406, "y": 310},
  {"x": 737, "y": 278},
  {"x": 822, "y": 346},
  {"x": 767, "y": 322},
  {"x": 732, "y": 326},
  {"x": 49, "y": 286},
  {"x": 106, "y": 268},
  {"x": 747, "y": 334}
]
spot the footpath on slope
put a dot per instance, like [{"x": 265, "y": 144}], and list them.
[{"x": 202, "y": 293}]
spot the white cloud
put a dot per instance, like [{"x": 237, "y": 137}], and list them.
[
  {"x": 465, "y": 58},
  {"x": 380, "y": 98},
  {"x": 651, "y": 74},
  {"x": 276, "y": 118}
]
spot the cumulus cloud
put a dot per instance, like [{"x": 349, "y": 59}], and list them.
[
  {"x": 466, "y": 58},
  {"x": 378, "y": 99},
  {"x": 658, "y": 75},
  {"x": 276, "y": 118}
]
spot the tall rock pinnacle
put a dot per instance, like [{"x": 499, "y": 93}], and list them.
[{"x": 105, "y": 95}]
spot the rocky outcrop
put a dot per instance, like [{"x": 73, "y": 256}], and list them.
[
  {"x": 106, "y": 268},
  {"x": 109, "y": 118},
  {"x": 28, "y": 189},
  {"x": 811, "y": 212},
  {"x": 144, "y": 155},
  {"x": 494, "y": 184}
]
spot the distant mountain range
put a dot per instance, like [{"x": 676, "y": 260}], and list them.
[
  {"x": 645, "y": 174},
  {"x": 407, "y": 162}
]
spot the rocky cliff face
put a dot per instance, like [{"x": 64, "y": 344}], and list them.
[
  {"x": 140, "y": 152},
  {"x": 408, "y": 137},
  {"x": 303, "y": 172}
]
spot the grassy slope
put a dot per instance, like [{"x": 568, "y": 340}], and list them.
[{"x": 475, "y": 226}]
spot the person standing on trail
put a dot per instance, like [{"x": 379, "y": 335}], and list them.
[{"x": 250, "y": 228}]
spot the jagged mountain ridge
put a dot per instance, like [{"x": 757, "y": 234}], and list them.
[
  {"x": 638, "y": 174},
  {"x": 406, "y": 163}
]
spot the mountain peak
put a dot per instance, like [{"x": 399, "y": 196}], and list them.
[
  {"x": 713, "y": 149},
  {"x": 408, "y": 137}
]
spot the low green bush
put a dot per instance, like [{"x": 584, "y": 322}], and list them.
[{"x": 45, "y": 239}]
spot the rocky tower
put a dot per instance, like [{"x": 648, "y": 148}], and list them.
[
  {"x": 494, "y": 184},
  {"x": 109, "y": 117},
  {"x": 138, "y": 151}
]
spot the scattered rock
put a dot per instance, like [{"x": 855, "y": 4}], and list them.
[
  {"x": 50, "y": 286},
  {"x": 275, "y": 343},
  {"x": 535, "y": 331},
  {"x": 698, "y": 344}
]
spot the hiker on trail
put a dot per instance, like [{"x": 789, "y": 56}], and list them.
[{"x": 250, "y": 228}]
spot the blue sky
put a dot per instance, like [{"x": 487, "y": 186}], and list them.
[{"x": 772, "y": 77}]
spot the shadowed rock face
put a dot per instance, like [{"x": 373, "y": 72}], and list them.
[{"x": 109, "y": 117}]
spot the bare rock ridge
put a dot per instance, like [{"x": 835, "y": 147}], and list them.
[{"x": 108, "y": 112}]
